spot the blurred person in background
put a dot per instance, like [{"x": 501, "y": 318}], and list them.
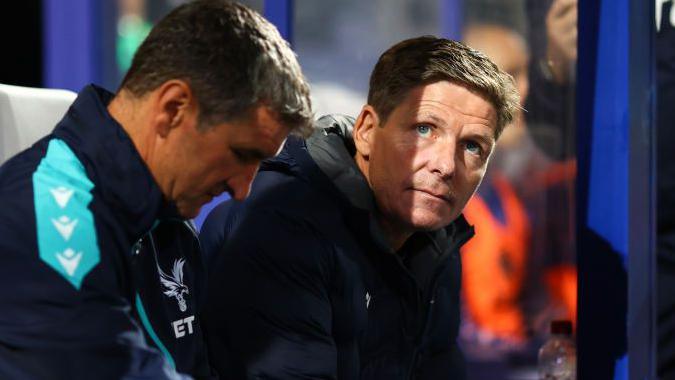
[
  {"x": 551, "y": 121},
  {"x": 501, "y": 265},
  {"x": 550, "y": 118},
  {"x": 494, "y": 262},
  {"x": 132, "y": 28},
  {"x": 344, "y": 261},
  {"x": 550, "y": 107},
  {"x": 100, "y": 272}
]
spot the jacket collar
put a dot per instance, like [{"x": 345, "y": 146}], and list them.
[
  {"x": 332, "y": 148},
  {"x": 112, "y": 162}
]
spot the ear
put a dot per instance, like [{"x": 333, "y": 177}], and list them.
[
  {"x": 364, "y": 130},
  {"x": 175, "y": 106}
]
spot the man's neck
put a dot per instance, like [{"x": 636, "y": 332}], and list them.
[
  {"x": 124, "y": 108},
  {"x": 395, "y": 234}
]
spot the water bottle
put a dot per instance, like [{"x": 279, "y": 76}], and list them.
[{"x": 558, "y": 356}]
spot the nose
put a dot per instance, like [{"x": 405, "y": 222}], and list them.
[
  {"x": 240, "y": 186},
  {"x": 442, "y": 160}
]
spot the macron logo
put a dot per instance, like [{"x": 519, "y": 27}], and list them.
[
  {"x": 62, "y": 195},
  {"x": 69, "y": 260},
  {"x": 65, "y": 226}
]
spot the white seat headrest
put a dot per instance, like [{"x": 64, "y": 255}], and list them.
[{"x": 28, "y": 114}]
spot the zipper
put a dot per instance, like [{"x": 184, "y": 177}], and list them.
[{"x": 429, "y": 298}]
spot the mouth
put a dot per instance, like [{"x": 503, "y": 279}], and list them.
[{"x": 442, "y": 196}]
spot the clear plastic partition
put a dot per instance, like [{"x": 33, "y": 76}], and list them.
[
  {"x": 338, "y": 43},
  {"x": 135, "y": 18}
]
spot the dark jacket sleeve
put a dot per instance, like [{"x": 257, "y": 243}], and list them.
[
  {"x": 268, "y": 313},
  {"x": 51, "y": 330}
]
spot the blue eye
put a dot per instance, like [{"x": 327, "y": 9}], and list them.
[
  {"x": 474, "y": 148},
  {"x": 424, "y": 130}
]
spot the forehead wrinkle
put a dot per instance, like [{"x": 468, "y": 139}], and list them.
[
  {"x": 434, "y": 104},
  {"x": 441, "y": 122},
  {"x": 423, "y": 114}
]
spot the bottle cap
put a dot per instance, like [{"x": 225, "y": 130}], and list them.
[{"x": 561, "y": 327}]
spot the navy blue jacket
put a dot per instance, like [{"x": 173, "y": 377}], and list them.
[
  {"x": 94, "y": 264},
  {"x": 302, "y": 284}
]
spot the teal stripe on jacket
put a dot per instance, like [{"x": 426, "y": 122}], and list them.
[{"x": 66, "y": 233}]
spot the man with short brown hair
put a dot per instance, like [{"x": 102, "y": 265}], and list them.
[{"x": 343, "y": 263}]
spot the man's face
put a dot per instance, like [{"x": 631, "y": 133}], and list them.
[
  {"x": 224, "y": 157},
  {"x": 429, "y": 157}
]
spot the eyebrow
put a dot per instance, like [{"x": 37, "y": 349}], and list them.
[
  {"x": 485, "y": 138},
  {"x": 488, "y": 139},
  {"x": 433, "y": 118}
]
